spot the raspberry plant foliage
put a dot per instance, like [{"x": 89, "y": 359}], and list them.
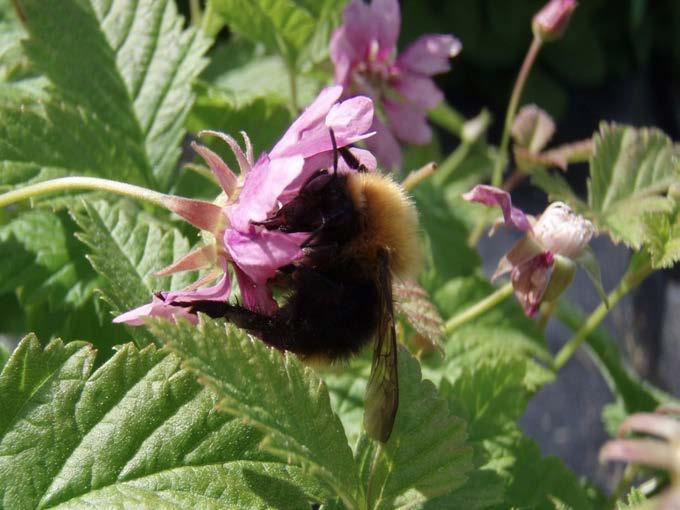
[{"x": 176, "y": 415}]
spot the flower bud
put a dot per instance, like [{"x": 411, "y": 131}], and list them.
[
  {"x": 562, "y": 231},
  {"x": 550, "y": 22}
]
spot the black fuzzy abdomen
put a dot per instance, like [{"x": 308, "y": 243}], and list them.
[{"x": 331, "y": 313}]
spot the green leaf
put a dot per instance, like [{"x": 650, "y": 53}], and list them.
[
  {"x": 502, "y": 332},
  {"x": 43, "y": 259},
  {"x": 126, "y": 247},
  {"x": 490, "y": 397},
  {"x": 275, "y": 393},
  {"x": 138, "y": 432},
  {"x": 533, "y": 481},
  {"x": 283, "y": 26},
  {"x": 263, "y": 119},
  {"x": 557, "y": 188},
  {"x": 130, "y": 76},
  {"x": 663, "y": 232},
  {"x": 426, "y": 450},
  {"x": 630, "y": 172}
]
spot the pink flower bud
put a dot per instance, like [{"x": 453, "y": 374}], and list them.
[
  {"x": 562, "y": 231},
  {"x": 550, "y": 22}
]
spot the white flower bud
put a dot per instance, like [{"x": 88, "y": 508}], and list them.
[{"x": 562, "y": 231}]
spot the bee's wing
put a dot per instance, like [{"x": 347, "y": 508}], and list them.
[{"x": 382, "y": 393}]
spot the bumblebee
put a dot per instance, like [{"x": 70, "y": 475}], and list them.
[{"x": 338, "y": 297}]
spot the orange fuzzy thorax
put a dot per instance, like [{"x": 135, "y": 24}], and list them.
[{"x": 389, "y": 220}]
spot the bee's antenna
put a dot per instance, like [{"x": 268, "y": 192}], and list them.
[{"x": 335, "y": 152}]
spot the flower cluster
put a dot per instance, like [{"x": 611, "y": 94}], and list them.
[
  {"x": 253, "y": 253},
  {"x": 363, "y": 50},
  {"x": 541, "y": 265}
]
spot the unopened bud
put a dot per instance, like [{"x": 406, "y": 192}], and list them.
[
  {"x": 562, "y": 231},
  {"x": 550, "y": 22}
]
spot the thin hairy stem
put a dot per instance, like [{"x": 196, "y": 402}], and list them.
[
  {"x": 629, "y": 282},
  {"x": 478, "y": 308},
  {"x": 515, "y": 97},
  {"x": 82, "y": 183}
]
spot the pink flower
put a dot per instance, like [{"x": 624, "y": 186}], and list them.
[
  {"x": 541, "y": 265},
  {"x": 662, "y": 451},
  {"x": 253, "y": 253},
  {"x": 364, "y": 51},
  {"x": 551, "y": 21}
]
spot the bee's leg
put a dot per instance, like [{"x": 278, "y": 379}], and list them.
[
  {"x": 351, "y": 160},
  {"x": 271, "y": 329}
]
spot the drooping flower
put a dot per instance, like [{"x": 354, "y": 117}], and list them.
[
  {"x": 253, "y": 253},
  {"x": 542, "y": 264},
  {"x": 662, "y": 451},
  {"x": 364, "y": 52}
]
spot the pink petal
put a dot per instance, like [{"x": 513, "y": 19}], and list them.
[
  {"x": 419, "y": 90},
  {"x": 224, "y": 174},
  {"x": 407, "y": 123},
  {"x": 651, "y": 423},
  {"x": 260, "y": 254},
  {"x": 430, "y": 54},
  {"x": 388, "y": 20},
  {"x": 264, "y": 184},
  {"x": 197, "y": 259},
  {"x": 201, "y": 214},
  {"x": 639, "y": 451},
  {"x": 530, "y": 281},
  {"x": 351, "y": 120},
  {"x": 360, "y": 26},
  {"x": 157, "y": 308},
  {"x": 384, "y": 145},
  {"x": 489, "y": 195},
  {"x": 524, "y": 250},
  {"x": 255, "y": 297},
  {"x": 219, "y": 292},
  {"x": 312, "y": 117},
  {"x": 343, "y": 56}
]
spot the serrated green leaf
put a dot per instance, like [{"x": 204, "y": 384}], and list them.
[
  {"x": 42, "y": 258},
  {"x": 533, "y": 481},
  {"x": 557, "y": 188},
  {"x": 663, "y": 234},
  {"x": 286, "y": 27},
  {"x": 275, "y": 393},
  {"x": 503, "y": 331},
  {"x": 489, "y": 397},
  {"x": 140, "y": 431},
  {"x": 630, "y": 172},
  {"x": 426, "y": 451},
  {"x": 126, "y": 247},
  {"x": 130, "y": 76}
]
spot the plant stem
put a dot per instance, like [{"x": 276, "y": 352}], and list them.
[
  {"x": 548, "y": 310},
  {"x": 91, "y": 183},
  {"x": 497, "y": 176},
  {"x": 292, "y": 81},
  {"x": 452, "y": 162},
  {"x": 447, "y": 118},
  {"x": 628, "y": 283},
  {"x": 195, "y": 12},
  {"x": 478, "y": 308}
]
